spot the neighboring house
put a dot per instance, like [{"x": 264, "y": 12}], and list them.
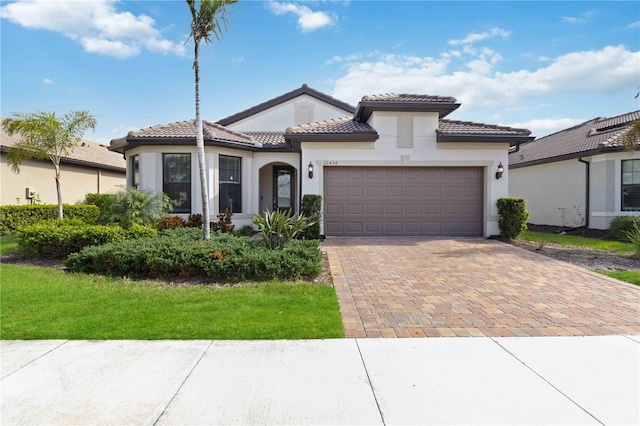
[
  {"x": 91, "y": 168},
  {"x": 390, "y": 166},
  {"x": 580, "y": 176}
]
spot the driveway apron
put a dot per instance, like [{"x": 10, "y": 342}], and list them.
[{"x": 438, "y": 286}]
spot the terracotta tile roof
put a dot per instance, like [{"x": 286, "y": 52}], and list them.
[
  {"x": 187, "y": 130},
  {"x": 343, "y": 125},
  {"x": 302, "y": 90},
  {"x": 470, "y": 128},
  {"x": 406, "y": 97},
  {"x": 588, "y": 137},
  {"x": 87, "y": 153}
]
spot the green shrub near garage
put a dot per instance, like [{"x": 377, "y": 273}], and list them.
[
  {"x": 13, "y": 217},
  {"x": 59, "y": 238},
  {"x": 180, "y": 253},
  {"x": 621, "y": 226}
]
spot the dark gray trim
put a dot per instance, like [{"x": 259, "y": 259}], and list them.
[
  {"x": 84, "y": 163},
  {"x": 565, "y": 157},
  {"x": 303, "y": 90},
  {"x": 366, "y": 108},
  {"x": 129, "y": 143},
  {"x": 513, "y": 140},
  {"x": 356, "y": 136},
  {"x": 587, "y": 194}
]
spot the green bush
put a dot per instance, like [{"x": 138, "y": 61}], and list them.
[
  {"x": 311, "y": 208},
  {"x": 181, "y": 253},
  {"x": 634, "y": 238},
  {"x": 103, "y": 202},
  {"x": 13, "y": 217},
  {"x": 621, "y": 226},
  {"x": 138, "y": 206},
  {"x": 513, "y": 217},
  {"x": 59, "y": 238},
  {"x": 279, "y": 228}
]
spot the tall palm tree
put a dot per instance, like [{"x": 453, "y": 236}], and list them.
[
  {"x": 44, "y": 136},
  {"x": 209, "y": 19}
]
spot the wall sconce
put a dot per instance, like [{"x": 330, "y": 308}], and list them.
[
  {"x": 500, "y": 171},
  {"x": 310, "y": 170}
]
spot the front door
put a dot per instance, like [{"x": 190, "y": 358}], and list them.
[{"x": 283, "y": 188}]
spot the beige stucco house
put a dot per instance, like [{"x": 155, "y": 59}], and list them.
[
  {"x": 392, "y": 165},
  {"x": 91, "y": 168},
  {"x": 579, "y": 176}
]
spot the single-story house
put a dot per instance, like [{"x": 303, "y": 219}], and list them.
[
  {"x": 392, "y": 165},
  {"x": 580, "y": 176},
  {"x": 90, "y": 168}
]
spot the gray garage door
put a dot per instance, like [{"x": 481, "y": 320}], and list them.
[{"x": 403, "y": 201}]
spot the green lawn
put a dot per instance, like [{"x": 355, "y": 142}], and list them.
[
  {"x": 632, "y": 277},
  {"x": 41, "y": 303},
  {"x": 576, "y": 240},
  {"x": 7, "y": 244}
]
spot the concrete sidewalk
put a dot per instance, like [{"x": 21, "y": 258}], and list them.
[{"x": 532, "y": 380}]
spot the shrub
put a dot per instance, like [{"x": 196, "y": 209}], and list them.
[
  {"x": 279, "y": 228},
  {"x": 634, "y": 238},
  {"x": 513, "y": 217},
  {"x": 311, "y": 208},
  {"x": 245, "y": 231},
  {"x": 103, "y": 202},
  {"x": 223, "y": 224},
  {"x": 13, "y": 217},
  {"x": 138, "y": 206},
  {"x": 173, "y": 222},
  {"x": 621, "y": 226},
  {"x": 181, "y": 253},
  {"x": 194, "y": 221},
  {"x": 59, "y": 238}
]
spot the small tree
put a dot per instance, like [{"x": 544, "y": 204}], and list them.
[
  {"x": 44, "y": 136},
  {"x": 513, "y": 217}
]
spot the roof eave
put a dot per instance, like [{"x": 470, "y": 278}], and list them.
[
  {"x": 366, "y": 108},
  {"x": 358, "y": 136},
  {"x": 84, "y": 163},
  {"x": 564, "y": 157},
  {"x": 129, "y": 143},
  {"x": 513, "y": 140}
]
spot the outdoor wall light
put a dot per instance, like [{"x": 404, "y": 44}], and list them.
[
  {"x": 500, "y": 171},
  {"x": 310, "y": 170}
]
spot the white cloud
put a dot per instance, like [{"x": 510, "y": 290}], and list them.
[
  {"x": 97, "y": 25},
  {"x": 308, "y": 20},
  {"x": 48, "y": 81},
  {"x": 544, "y": 126},
  {"x": 237, "y": 60},
  {"x": 582, "y": 19},
  {"x": 475, "y": 37},
  {"x": 482, "y": 84},
  {"x": 633, "y": 25}
]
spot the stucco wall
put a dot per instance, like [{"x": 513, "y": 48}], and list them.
[
  {"x": 279, "y": 117},
  {"x": 555, "y": 192},
  {"x": 425, "y": 152},
  {"x": 76, "y": 182}
]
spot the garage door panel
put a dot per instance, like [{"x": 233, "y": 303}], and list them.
[{"x": 403, "y": 201}]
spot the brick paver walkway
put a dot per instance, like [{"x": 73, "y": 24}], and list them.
[{"x": 421, "y": 286}]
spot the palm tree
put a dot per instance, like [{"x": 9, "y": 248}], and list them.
[
  {"x": 209, "y": 19},
  {"x": 44, "y": 136}
]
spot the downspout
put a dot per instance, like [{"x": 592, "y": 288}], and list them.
[{"x": 586, "y": 196}]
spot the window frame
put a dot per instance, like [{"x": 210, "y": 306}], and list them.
[
  {"x": 187, "y": 209},
  {"x": 623, "y": 185},
  {"x": 235, "y": 182}
]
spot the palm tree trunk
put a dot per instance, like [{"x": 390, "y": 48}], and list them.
[
  {"x": 200, "y": 146},
  {"x": 59, "y": 191}
]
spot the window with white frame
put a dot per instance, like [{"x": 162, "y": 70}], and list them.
[
  {"x": 230, "y": 178},
  {"x": 630, "y": 185},
  {"x": 176, "y": 181}
]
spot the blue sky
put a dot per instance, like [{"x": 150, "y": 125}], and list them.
[{"x": 540, "y": 65}]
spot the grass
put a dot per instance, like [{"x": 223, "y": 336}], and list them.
[
  {"x": 40, "y": 303},
  {"x": 620, "y": 247},
  {"x": 7, "y": 244},
  {"x": 632, "y": 277}
]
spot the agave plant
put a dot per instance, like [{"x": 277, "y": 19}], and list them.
[{"x": 278, "y": 228}]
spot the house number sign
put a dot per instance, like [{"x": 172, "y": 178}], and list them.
[{"x": 330, "y": 163}]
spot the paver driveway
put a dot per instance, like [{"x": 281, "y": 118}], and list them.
[{"x": 432, "y": 286}]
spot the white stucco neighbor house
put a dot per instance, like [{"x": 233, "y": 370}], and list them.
[
  {"x": 579, "y": 176},
  {"x": 392, "y": 165}
]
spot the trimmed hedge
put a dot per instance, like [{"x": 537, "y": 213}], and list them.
[
  {"x": 14, "y": 217},
  {"x": 311, "y": 209},
  {"x": 181, "y": 253},
  {"x": 621, "y": 226},
  {"x": 59, "y": 238},
  {"x": 513, "y": 217}
]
